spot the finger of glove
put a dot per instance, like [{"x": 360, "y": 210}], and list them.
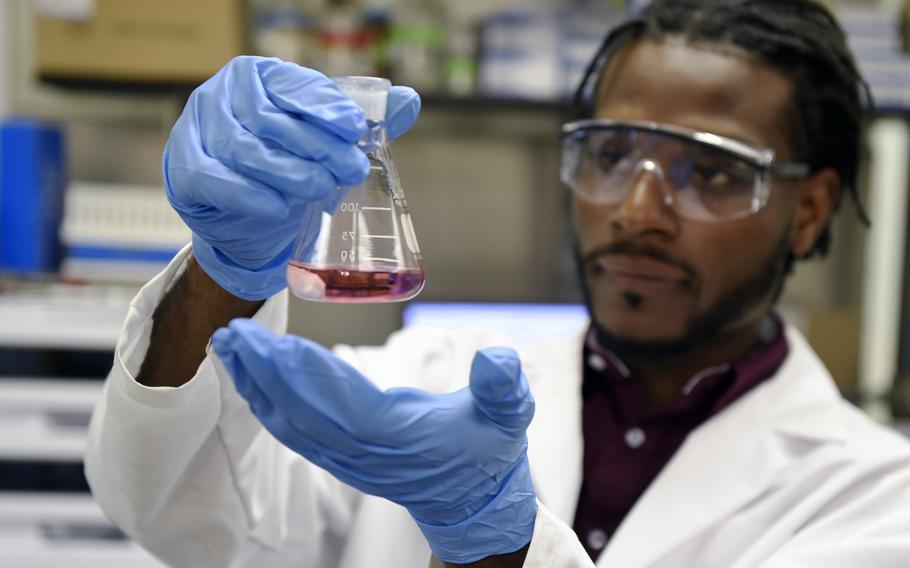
[
  {"x": 334, "y": 388},
  {"x": 222, "y": 342},
  {"x": 190, "y": 175},
  {"x": 500, "y": 389},
  {"x": 217, "y": 187},
  {"x": 283, "y": 171},
  {"x": 254, "y": 245},
  {"x": 195, "y": 182},
  {"x": 402, "y": 109},
  {"x": 325, "y": 396},
  {"x": 312, "y": 96},
  {"x": 296, "y": 135},
  {"x": 246, "y": 348}
]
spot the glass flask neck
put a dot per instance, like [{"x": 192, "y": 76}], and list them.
[{"x": 375, "y": 138}]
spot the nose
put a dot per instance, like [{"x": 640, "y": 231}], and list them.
[{"x": 648, "y": 204}]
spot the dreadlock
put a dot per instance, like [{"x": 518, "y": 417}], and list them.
[{"x": 800, "y": 38}]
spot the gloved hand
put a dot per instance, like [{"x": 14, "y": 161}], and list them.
[
  {"x": 257, "y": 144},
  {"x": 457, "y": 462}
]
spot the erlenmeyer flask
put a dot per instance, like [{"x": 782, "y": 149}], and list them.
[{"x": 360, "y": 246}]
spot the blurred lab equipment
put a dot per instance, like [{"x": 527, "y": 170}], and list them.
[
  {"x": 539, "y": 52},
  {"x": 461, "y": 52},
  {"x": 32, "y": 179},
  {"x": 344, "y": 41},
  {"x": 285, "y": 29},
  {"x": 520, "y": 54},
  {"x": 63, "y": 530},
  {"x": 118, "y": 232},
  {"x": 56, "y": 345},
  {"x": 874, "y": 35},
  {"x": 360, "y": 246},
  {"x": 377, "y": 24},
  {"x": 417, "y": 45}
]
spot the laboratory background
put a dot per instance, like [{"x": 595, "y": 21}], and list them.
[{"x": 89, "y": 90}]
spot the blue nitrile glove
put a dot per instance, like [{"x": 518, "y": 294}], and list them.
[
  {"x": 257, "y": 144},
  {"x": 457, "y": 462}
]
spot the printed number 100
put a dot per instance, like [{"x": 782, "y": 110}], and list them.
[{"x": 348, "y": 207}]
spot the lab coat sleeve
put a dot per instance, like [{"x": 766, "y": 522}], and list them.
[
  {"x": 190, "y": 474},
  {"x": 553, "y": 545}
]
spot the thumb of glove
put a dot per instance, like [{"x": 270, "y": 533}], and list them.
[{"x": 500, "y": 389}]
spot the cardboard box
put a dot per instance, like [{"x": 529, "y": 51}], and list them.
[{"x": 137, "y": 41}]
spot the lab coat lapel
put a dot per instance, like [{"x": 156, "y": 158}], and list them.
[
  {"x": 727, "y": 462},
  {"x": 555, "y": 449}
]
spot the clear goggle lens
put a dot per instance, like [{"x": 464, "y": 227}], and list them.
[{"x": 701, "y": 180}]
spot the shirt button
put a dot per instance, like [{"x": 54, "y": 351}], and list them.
[
  {"x": 635, "y": 438},
  {"x": 597, "y": 362},
  {"x": 597, "y": 539}
]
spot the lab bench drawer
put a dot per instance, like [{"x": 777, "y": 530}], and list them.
[
  {"x": 63, "y": 531},
  {"x": 45, "y": 420}
]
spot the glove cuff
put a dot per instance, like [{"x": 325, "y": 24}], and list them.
[
  {"x": 245, "y": 283},
  {"x": 504, "y": 525}
]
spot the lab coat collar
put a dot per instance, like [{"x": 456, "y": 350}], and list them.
[
  {"x": 555, "y": 441},
  {"x": 730, "y": 460}
]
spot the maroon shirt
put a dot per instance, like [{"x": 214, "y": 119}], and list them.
[{"x": 626, "y": 446}]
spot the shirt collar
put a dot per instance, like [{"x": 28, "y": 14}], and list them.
[{"x": 714, "y": 387}]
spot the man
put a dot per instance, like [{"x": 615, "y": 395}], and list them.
[{"x": 688, "y": 426}]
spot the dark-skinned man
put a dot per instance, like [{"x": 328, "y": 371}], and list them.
[{"x": 688, "y": 425}]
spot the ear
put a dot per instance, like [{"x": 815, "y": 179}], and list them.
[{"x": 815, "y": 201}]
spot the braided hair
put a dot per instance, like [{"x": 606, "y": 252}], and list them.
[{"x": 800, "y": 38}]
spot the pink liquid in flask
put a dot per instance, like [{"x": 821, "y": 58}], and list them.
[{"x": 340, "y": 284}]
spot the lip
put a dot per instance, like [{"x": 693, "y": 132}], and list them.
[{"x": 640, "y": 269}]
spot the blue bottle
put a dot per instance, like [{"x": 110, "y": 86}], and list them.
[{"x": 32, "y": 181}]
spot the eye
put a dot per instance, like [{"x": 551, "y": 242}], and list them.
[
  {"x": 721, "y": 176},
  {"x": 611, "y": 150},
  {"x": 712, "y": 177}
]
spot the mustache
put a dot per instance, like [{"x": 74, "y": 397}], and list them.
[{"x": 632, "y": 248}]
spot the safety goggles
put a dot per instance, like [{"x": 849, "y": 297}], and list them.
[{"x": 703, "y": 176}]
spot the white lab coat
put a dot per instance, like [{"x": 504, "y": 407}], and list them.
[{"x": 789, "y": 475}]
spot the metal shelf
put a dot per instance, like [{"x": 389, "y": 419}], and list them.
[
  {"x": 63, "y": 531},
  {"x": 63, "y": 317},
  {"x": 44, "y": 420}
]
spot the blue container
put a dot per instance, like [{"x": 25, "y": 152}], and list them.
[{"x": 32, "y": 181}]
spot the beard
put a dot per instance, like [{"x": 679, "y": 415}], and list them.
[{"x": 766, "y": 283}]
